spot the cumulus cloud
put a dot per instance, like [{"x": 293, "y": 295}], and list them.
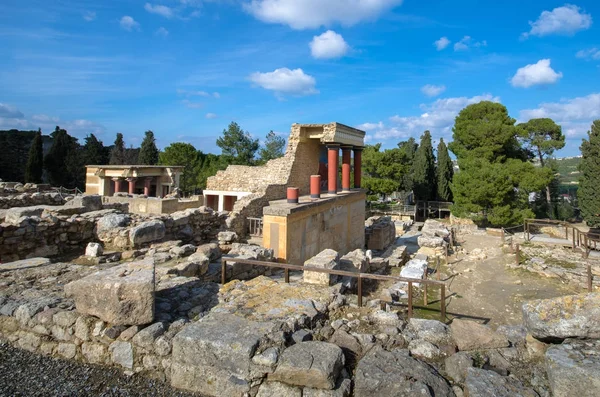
[
  {"x": 89, "y": 16},
  {"x": 539, "y": 73},
  {"x": 433, "y": 90},
  {"x": 592, "y": 53},
  {"x": 442, "y": 43},
  {"x": 575, "y": 115},
  {"x": 162, "y": 32},
  {"x": 161, "y": 10},
  {"x": 286, "y": 81},
  {"x": 10, "y": 112},
  {"x": 211, "y": 116},
  {"x": 128, "y": 23},
  {"x": 437, "y": 117},
  {"x": 565, "y": 20},
  {"x": 328, "y": 45},
  {"x": 311, "y": 14},
  {"x": 467, "y": 42}
]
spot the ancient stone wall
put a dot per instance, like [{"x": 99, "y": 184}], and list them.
[
  {"x": 29, "y": 199},
  {"x": 153, "y": 205}
]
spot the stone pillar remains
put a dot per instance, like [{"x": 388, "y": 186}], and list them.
[
  {"x": 315, "y": 186},
  {"x": 357, "y": 166},
  {"x": 147, "y": 183},
  {"x": 117, "y": 184},
  {"x": 131, "y": 185},
  {"x": 333, "y": 156},
  {"x": 346, "y": 168},
  {"x": 292, "y": 195}
]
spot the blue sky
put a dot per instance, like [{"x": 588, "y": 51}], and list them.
[{"x": 186, "y": 68}]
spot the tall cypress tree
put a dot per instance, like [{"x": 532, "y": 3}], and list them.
[
  {"x": 589, "y": 183},
  {"x": 117, "y": 154},
  {"x": 62, "y": 159},
  {"x": 423, "y": 174},
  {"x": 445, "y": 172},
  {"x": 35, "y": 160},
  {"x": 148, "y": 150},
  {"x": 94, "y": 152}
]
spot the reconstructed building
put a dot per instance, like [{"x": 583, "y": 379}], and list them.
[{"x": 151, "y": 180}]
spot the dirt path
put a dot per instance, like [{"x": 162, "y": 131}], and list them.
[{"x": 487, "y": 290}]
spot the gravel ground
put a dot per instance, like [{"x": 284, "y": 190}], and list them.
[{"x": 27, "y": 374}]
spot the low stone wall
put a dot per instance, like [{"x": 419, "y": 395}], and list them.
[
  {"x": 154, "y": 205},
  {"x": 29, "y": 199}
]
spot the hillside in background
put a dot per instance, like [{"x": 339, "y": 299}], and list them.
[{"x": 569, "y": 174}]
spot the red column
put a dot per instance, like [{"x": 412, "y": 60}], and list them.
[
  {"x": 333, "y": 156},
  {"x": 315, "y": 186},
  {"x": 357, "y": 166},
  {"x": 131, "y": 185},
  {"x": 147, "y": 183},
  {"x": 117, "y": 184},
  {"x": 346, "y": 168}
]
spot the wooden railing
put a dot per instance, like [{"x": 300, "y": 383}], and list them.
[
  {"x": 359, "y": 276},
  {"x": 255, "y": 227},
  {"x": 585, "y": 241}
]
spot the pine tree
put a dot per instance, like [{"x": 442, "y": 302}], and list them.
[
  {"x": 117, "y": 154},
  {"x": 94, "y": 152},
  {"x": 237, "y": 145},
  {"x": 148, "y": 150},
  {"x": 423, "y": 171},
  {"x": 588, "y": 193},
  {"x": 273, "y": 149},
  {"x": 35, "y": 160},
  {"x": 409, "y": 148},
  {"x": 444, "y": 171},
  {"x": 62, "y": 161}
]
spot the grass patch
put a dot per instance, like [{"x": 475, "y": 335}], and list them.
[{"x": 557, "y": 262}]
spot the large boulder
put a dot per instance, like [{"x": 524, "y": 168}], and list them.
[
  {"x": 571, "y": 316},
  {"x": 214, "y": 355},
  {"x": 88, "y": 203},
  {"x": 122, "y": 295},
  {"x": 483, "y": 383},
  {"x": 311, "y": 364},
  {"x": 380, "y": 232},
  {"x": 433, "y": 234},
  {"x": 355, "y": 262},
  {"x": 470, "y": 335},
  {"x": 574, "y": 368},
  {"x": 147, "y": 232},
  {"x": 327, "y": 259},
  {"x": 13, "y": 215},
  {"x": 111, "y": 222},
  {"x": 395, "y": 373}
]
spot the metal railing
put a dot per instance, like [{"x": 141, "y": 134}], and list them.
[
  {"x": 585, "y": 241},
  {"x": 255, "y": 227},
  {"x": 359, "y": 276}
]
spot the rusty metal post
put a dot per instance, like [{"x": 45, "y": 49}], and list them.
[
  {"x": 223, "y": 271},
  {"x": 589, "y": 274},
  {"x": 410, "y": 300},
  {"x": 446, "y": 255},
  {"x": 425, "y": 288},
  {"x": 443, "y": 303},
  {"x": 517, "y": 254},
  {"x": 359, "y": 291},
  {"x": 437, "y": 268},
  {"x": 573, "y": 238},
  {"x": 287, "y": 275}
]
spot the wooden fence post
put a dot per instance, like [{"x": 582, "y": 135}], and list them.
[
  {"x": 517, "y": 254},
  {"x": 589, "y": 274},
  {"x": 360, "y": 291},
  {"x": 223, "y": 271},
  {"x": 410, "y": 299},
  {"x": 425, "y": 288},
  {"x": 443, "y": 303}
]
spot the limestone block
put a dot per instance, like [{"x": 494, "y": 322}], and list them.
[
  {"x": 146, "y": 337},
  {"x": 342, "y": 389},
  {"x": 482, "y": 383},
  {"x": 470, "y": 335},
  {"x": 270, "y": 389},
  {"x": 93, "y": 250},
  {"x": 13, "y": 215},
  {"x": 122, "y": 354},
  {"x": 147, "y": 232},
  {"x": 574, "y": 368},
  {"x": 122, "y": 295},
  {"x": 89, "y": 203},
  {"x": 24, "y": 264},
  {"x": 66, "y": 350},
  {"x": 327, "y": 259},
  {"x": 312, "y": 364},
  {"x": 111, "y": 221},
  {"x": 457, "y": 365}
]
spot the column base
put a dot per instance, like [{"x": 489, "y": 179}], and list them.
[
  {"x": 292, "y": 201},
  {"x": 332, "y": 192},
  {"x": 346, "y": 190},
  {"x": 315, "y": 196}
]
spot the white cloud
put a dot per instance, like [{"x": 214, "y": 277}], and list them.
[
  {"x": 10, "y": 112},
  {"x": 192, "y": 105},
  {"x": 437, "y": 117},
  {"x": 43, "y": 118},
  {"x": 328, "y": 45},
  {"x": 370, "y": 126},
  {"x": 128, "y": 23},
  {"x": 565, "y": 20},
  {"x": 286, "y": 81},
  {"x": 216, "y": 95},
  {"x": 466, "y": 42},
  {"x": 89, "y": 16},
  {"x": 592, "y": 53},
  {"x": 211, "y": 116},
  {"x": 433, "y": 90},
  {"x": 539, "y": 73},
  {"x": 162, "y": 32},
  {"x": 575, "y": 115},
  {"x": 311, "y": 14},
  {"x": 442, "y": 43},
  {"x": 161, "y": 10}
]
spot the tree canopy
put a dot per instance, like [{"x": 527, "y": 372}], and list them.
[
  {"x": 237, "y": 145},
  {"x": 273, "y": 148},
  {"x": 589, "y": 183},
  {"x": 423, "y": 170},
  {"x": 117, "y": 154},
  {"x": 35, "y": 160},
  {"x": 184, "y": 154},
  {"x": 384, "y": 170},
  {"x": 63, "y": 161},
  {"x": 94, "y": 151},
  {"x": 444, "y": 172},
  {"x": 148, "y": 151}
]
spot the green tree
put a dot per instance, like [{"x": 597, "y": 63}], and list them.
[
  {"x": 237, "y": 145},
  {"x": 274, "y": 145},
  {"x": 35, "y": 160},
  {"x": 383, "y": 170},
  {"x": 94, "y": 152},
  {"x": 444, "y": 172},
  {"x": 211, "y": 164},
  {"x": 185, "y": 154},
  {"x": 409, "y": 148},
  {"x": 588, "y": 193},
  {"x": 117, "y": 153},
  {"x": 63, "y": 161},
  {"x": 542, "y": 137},
  {"x": 423, "y": 170},
  {"x": 495, "y": 178},
  {"x": 148, "y": 150}
]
